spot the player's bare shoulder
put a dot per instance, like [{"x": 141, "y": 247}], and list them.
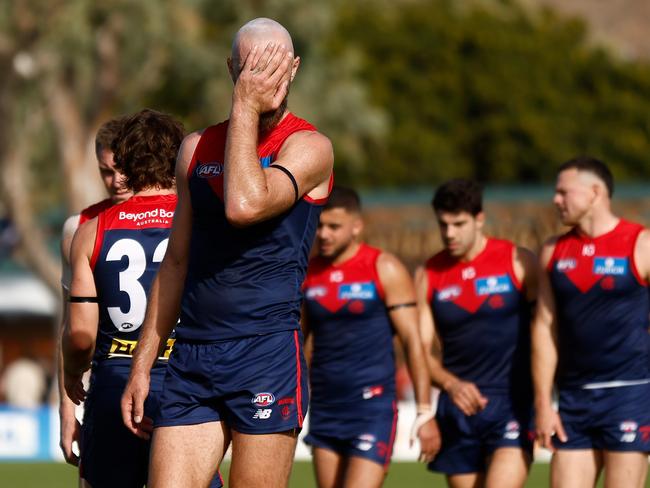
[
  {"x": 186, "y": 152},
  {"x": 311, "y": 150},
  {"x": 84, "y": 239},
  {"x": 642, "y": 254},
  {"x": 546, "y": 253}
]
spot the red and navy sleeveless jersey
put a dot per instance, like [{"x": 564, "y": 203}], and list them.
[
  {"x": 482, "y": 317},
  {"x": 243, "y": 281},
  {"x": 353, "y": 359},
  {"x": 131, "y": 242},
  {"x": 94, "y": 210},
  {"x": 602, "y": 307}
]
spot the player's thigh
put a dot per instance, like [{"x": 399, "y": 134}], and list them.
[
  {"x": 575, "y": 468},
  {"x": 262, "y": 459},
  {"x": 329, "y": 467},
  {"x": 186, "y": 455},
  {"x": 625, "y": 469},
  {"x": 507, "y": 468},
  {"x": 363, "y": 473},
  {"x": 466, "y": 480}
]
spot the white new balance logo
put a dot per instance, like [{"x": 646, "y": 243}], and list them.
[{"x": 262, "y": 414}]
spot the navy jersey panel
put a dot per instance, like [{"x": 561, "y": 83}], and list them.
[
  {"x": 243, "y": 281},
  {"x": 602, "y": 308},
  {"x": 131, "y": 242},
  {"x": 613, "y": 419},
  {"x": 482, "y": 317},
  {"x": 353, "y": 359}
]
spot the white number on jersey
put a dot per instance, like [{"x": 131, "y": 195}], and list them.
[{"x": 129, "y": 281}]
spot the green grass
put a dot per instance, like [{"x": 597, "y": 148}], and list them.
[{"x": 401, "y": 475}]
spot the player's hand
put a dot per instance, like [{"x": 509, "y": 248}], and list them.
[
  {"x": 70, "y": 431},
  {"x": 263, "y": 81},
  {"x": 132, "y": 405},
  {"x": 429, "y": 436},
  {"x": 548, "y": 424},
  {"x": 74, "y": 387},
  {"x": 467, "y": 397}
]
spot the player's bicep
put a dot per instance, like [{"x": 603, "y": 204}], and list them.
[
  {"x": 399, "y": 296},
  {"x": 307, "y": 159},
  {"x": 526, "y": 267},
  {"x": 545, "y": 309},
  {"x": 179, "y": 238},
  {"x": 425, "y": 316},
  {"x": 84, "y": 314}
]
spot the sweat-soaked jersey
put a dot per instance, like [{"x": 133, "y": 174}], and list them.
[{"x": 247, "y": 281}]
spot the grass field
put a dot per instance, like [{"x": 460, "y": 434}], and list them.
[{"x": 401, "y": 475}]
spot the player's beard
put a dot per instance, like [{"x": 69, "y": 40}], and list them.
[{"x": 269, "y": 120}]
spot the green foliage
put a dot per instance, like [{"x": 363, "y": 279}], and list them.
[{"x": 501, "y": 94}]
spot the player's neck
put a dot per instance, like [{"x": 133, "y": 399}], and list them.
[
  {"x": 477, "y": 248},
  {"x": 348, "y": 253},
  {"x": 598, "y": 223},
  {"x": 150, "y": 192}
]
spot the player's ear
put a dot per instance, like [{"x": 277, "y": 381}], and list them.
[
  {"x": 480, "y": 220},
  {"x": 357, "y": 226},
  {"x": 294, "y": 68}
]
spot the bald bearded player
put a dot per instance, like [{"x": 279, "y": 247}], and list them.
[{"x": 250, "y": 192}]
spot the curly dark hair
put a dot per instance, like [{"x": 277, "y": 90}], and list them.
[
  {"x": 145, "y": 150},
  {"x": 459, "y": 195},
  {"x": 107, "y": 133}
]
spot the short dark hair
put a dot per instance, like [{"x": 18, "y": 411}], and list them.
[
  {"x": 459, "y": 195},
  {"x": 146, "y": 148},
  {"x": 593, "y": 166},
  {"x": 343, "y": 197},
  {"x": 107, "y": 134}
]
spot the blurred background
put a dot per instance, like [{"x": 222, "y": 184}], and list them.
[{"x": 411, "y": 92}]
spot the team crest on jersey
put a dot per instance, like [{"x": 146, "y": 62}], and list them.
[
  {"x": 448, "y": 294},
  {"x": 263, "y": 399},
  {"x": 564, "y": 265},
  {"x": 357, "y": 291},
  {"x": 209, "y": 170},
  {"x": 316, "y": 292},
  {"x": 610, "y": 266},
  {"x": 493, "y": 285}
]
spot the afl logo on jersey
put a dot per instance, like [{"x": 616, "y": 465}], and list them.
[
  {"x": 316, "y": 292},
  {"x": 610, "y": 266},
  {"x": 263, "y": 399},
  {"x": 493, "y": 285},
  {"x": 448, "y": 294},
  {"x": 209, "y": 170},
  {"x": 564, "y": 265}
]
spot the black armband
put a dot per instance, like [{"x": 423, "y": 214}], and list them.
[
  {"x": 401, "y": 305},
  {"x": 290, "y": 176},
  {"x": 75, "y": 299}
]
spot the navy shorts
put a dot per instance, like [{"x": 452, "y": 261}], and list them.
[
  {"x": 256, "y": 385},
  {"x": 110, "y": 454},
  {"x": 369, "y": 435},
  {"x": 468, "y": 441},
  {"x": 612, "y": 419}
]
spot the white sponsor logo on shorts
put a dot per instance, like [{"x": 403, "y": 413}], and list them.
[
  {"x": 512, "y": 430},
  {"x": 263, "y": 414}
]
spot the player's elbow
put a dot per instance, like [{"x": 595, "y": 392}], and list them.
[
  {"x": 77, "y": 342},
  {"x": 243, "y": 214}
]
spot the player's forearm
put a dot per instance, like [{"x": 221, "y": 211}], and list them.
[
  {"x": 77, "y": 353},
  {"x": 161, "y": 316},
  {"x": 419, "y": 374},
  {"x": 245, "y": 185},
  {"x": 440, "y": 377}
]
